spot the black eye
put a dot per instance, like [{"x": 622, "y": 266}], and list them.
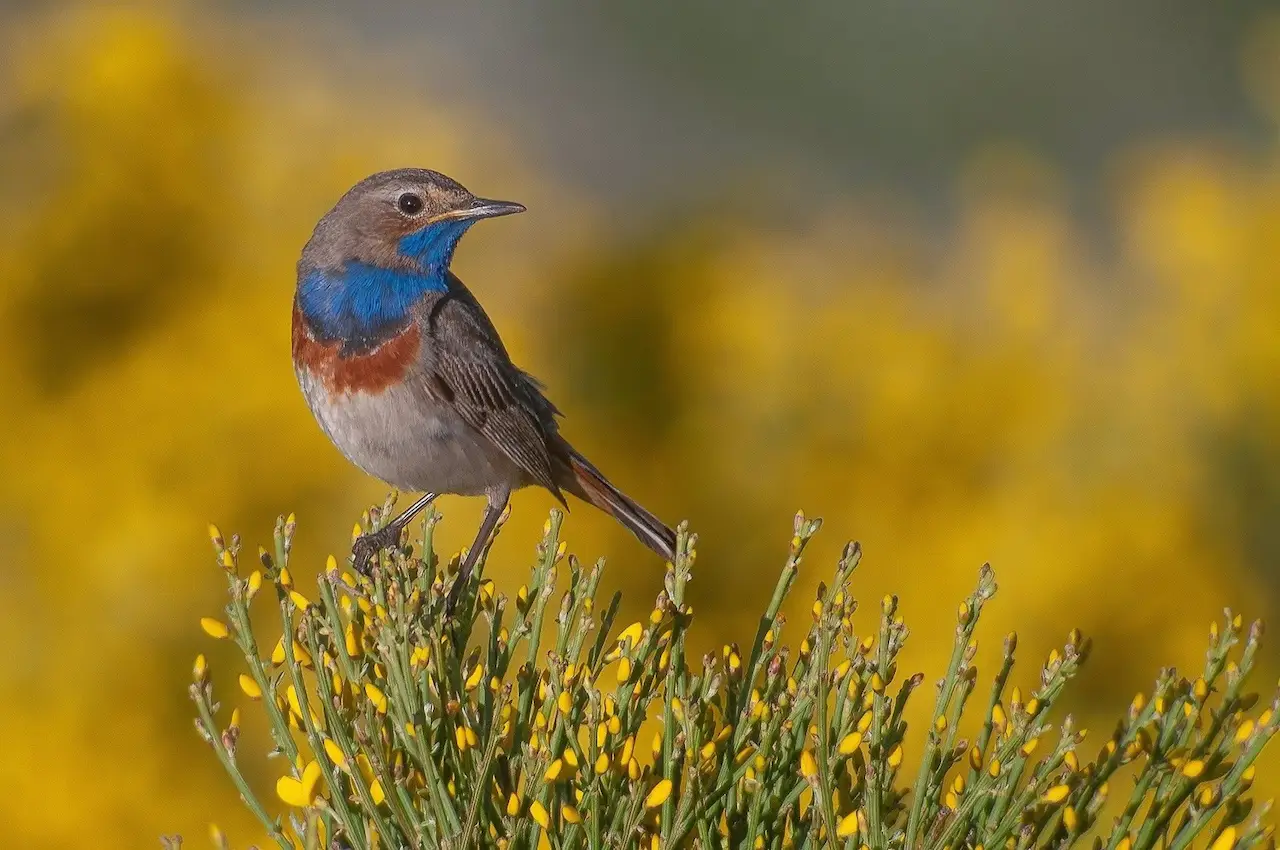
[{"x": 409, "y": 204}]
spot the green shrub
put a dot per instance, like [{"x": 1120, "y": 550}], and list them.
[{"x": 534, "y": 719}]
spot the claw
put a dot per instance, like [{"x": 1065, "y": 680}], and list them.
[{"x": 367, "y": 546}]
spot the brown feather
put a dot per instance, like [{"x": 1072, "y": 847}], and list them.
[
  {"x": 582, "y": 479},
  {"x": 371, "y": 372}
]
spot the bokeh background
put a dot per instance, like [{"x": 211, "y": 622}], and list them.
[{"x": 978, "y": 281}]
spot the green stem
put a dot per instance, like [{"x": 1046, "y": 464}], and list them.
[{"x": 229, "y": 764}]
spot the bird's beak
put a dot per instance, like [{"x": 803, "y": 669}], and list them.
[{"x": 482, "y": 208}]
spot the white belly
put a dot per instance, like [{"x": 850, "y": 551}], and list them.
[{"x": 410, "y": 441}]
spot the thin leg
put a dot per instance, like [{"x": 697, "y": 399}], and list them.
[
  {"x": 367, "y": 546},
  {"x": 492, "y": 513}
]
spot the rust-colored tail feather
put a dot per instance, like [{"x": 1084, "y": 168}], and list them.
[{"x": 590, "y": 485}]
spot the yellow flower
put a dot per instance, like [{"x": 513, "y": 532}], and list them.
[
  {"x": 539, "y": 814},
  {"x": 200, "y": 670},
  {"x": 334, "y": 752},
  {"x": 301, "y": 656},
  {"x": 351, "y": 641},
  {"x": 250, "y": 687},
  {"x": 808, "y": 765},
  {"x": 301, "y": 791},
  {"x": 376, "y": 696},
  {"x": 568, "y": 812},
  {"x": 630, "y": 636},
  {"x": 1056, "y": 794},
  {"x": 1225, "y": 840},
  {"x": 848, "y": 825},
  {"x": 214, "y": 628},
  {"x": 658, "y": 795}
]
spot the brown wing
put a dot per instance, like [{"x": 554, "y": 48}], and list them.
[{"x": 473, "y": 372}]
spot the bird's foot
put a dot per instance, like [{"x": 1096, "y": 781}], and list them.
[{"x": 364, "y": 551}]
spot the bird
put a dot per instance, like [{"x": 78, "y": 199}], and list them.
[{"x": 407, "y": 375}]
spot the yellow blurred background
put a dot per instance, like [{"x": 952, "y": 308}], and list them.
[{"x": 1087, "y": 395}]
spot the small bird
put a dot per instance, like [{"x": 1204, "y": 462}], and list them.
[{"x": 407, "y": 375}]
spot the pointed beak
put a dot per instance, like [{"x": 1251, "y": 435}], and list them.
[{"x": 483, "y": 208}]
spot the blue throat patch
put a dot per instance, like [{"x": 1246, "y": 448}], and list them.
[{"x": 361, "y": 304}]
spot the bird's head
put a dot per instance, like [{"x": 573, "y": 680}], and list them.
[
  {"x": 408, "y": 220},
  {"x": 385, "y": 244}
]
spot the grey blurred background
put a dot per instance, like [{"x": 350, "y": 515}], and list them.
[{"x": 659, "y": 100}]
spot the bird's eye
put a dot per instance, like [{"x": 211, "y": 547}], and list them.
[{"x": 409, "y": 203}]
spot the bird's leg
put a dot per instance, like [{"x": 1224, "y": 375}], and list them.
[
  {"x": 367, "y": 546},
  {"x": 492, "y": 513}
]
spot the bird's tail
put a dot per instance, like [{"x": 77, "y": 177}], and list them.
[{"x": 589, "y": 484}]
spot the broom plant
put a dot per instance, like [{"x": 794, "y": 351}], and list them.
[{"x": 537, "y": 719}]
